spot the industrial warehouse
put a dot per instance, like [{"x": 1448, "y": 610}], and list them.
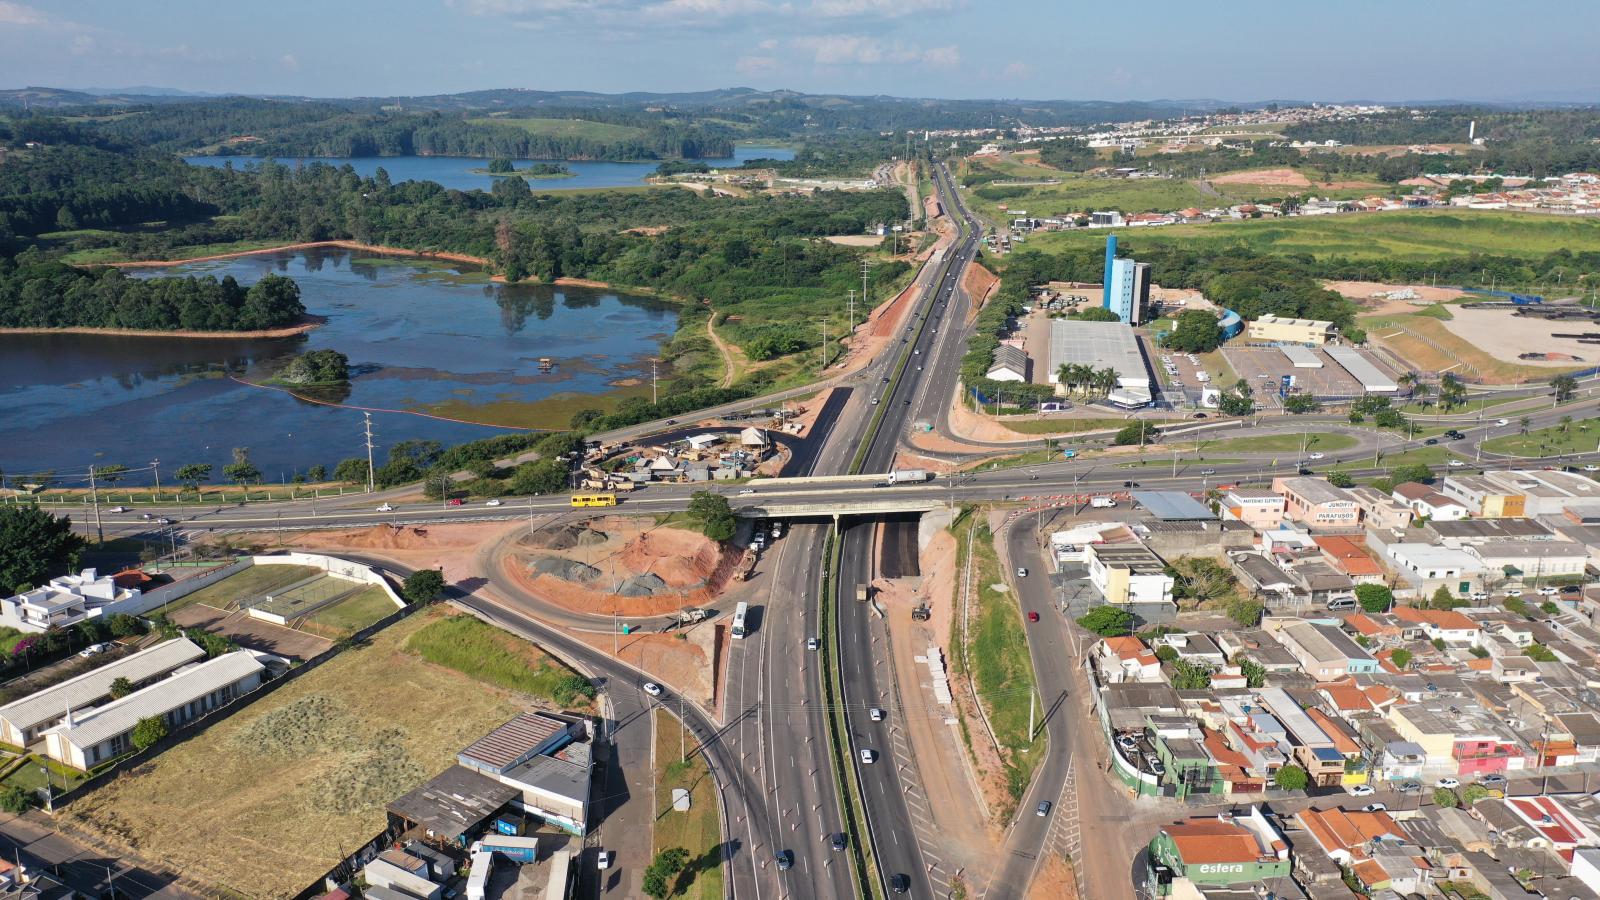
[{"x": 1102, "y": 345}]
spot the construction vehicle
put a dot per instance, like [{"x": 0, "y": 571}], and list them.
[
  {"x": 747, "y": 566},
  {"x": 685, "y": 616},
  {"x": 861, "y": 593},
  {"x": 921, "y": 612}
]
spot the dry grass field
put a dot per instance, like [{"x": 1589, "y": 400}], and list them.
[{"x": 261, "y": 804}]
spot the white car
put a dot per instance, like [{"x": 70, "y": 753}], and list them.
[
  {"x": 1363, "y": 790},
  {"x": 1502, "y": 422},
  {"x": 812, "y": 643},
  {"x": 868, "y": 756},
  {"x": 1374, "y": 807},
  {"x": 385, "y": 508},
  {"x": 1316, "y": 455},
  {"x": 1591, "y": 468},
  {"x": 875, "y": 714},
  {"x": 1548, "y": 591},
  {"x": 1456, "y": 463},
  {"x": 1514, "y": 592},
  {"x": 118, "y": 509},
  {"x": 1451, "y": 783},
  {"x": 747, "y": 491},
  {"x": 494, "y": 502},
  {"x": 605, "y": 859},
  {"x": 653, "y": 689},
  {"x": 93, "y": 650}
]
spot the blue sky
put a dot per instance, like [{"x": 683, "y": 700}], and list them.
[{"x": 1055, "y": 49}]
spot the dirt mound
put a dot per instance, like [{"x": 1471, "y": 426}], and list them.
[
  {"x": 646, "y": 585},
  {"x": 564, "y": 569},
  {"x": 405, "y": 537},
  {"x": 565, "y": 537},
  {"x": 680, "y": 559}
]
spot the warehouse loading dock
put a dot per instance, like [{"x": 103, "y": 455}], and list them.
[{"x": 1330, "y": 380}]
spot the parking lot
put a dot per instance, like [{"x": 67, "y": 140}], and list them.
[{"x": 1180, "y": 373}]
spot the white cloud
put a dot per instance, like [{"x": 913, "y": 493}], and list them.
[
  {"x": 20, "y": 16},
  {"x": 877, "y": 9},
  {"x": 942, "y": 56},
  {"x": 1018, "y": 70},
  {"x": 863, "y": 50},
  {"x": 695, "y": 13},
  {"x": 756, "y": 65},
  {"x": 768, "y": 44},
  {"x": 289, "y": 61}
]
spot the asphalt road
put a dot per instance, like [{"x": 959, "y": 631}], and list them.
[{"x": 1052, "y": 648}]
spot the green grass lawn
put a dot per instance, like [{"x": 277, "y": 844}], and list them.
[
  {"x": 1412, "y": 234},
  {"x": 112, "y": 254},
  {"x": 1086, "y": 193},
  {"x": 9, "y": 638},
  {"x": 1579, "y": 437},
  {"x": 1290, "y": 443},
  {"x": 252, "y": 582},
  {"x": 490, "y": 655},
  {"x": 699, "y": 830},
  {"x": 1060, "y": 426},
  {"x": 576, "y": 128},
  {"x": 997, "y": 649},
  {"x": 353, "y": 613}
]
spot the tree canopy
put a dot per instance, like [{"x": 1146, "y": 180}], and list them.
[{"x": 35, "y": 547}]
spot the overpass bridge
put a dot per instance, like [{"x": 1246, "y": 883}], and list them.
[{"x": 853, "y": 506}]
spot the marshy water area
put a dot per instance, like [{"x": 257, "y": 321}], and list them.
[{"x": 423, "y": 337}]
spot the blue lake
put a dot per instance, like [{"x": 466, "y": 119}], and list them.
[
  {"x": 457, "y": 171},
  {"x": 422, "y": 338}
]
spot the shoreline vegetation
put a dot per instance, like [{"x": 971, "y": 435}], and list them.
[{"x": 308, "y": 322}]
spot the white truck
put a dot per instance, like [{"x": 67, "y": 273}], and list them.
[
  {"x": 1102, "y": 503},
  {"x": 910, "y": 476}
]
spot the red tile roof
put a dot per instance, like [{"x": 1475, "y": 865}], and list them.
[
  {"x": 1339, "y": 829},
  {"x": 1447, "y": 619},
  {"x": 1347, "y": 555},
  {"x": 1213, "y": 841}
]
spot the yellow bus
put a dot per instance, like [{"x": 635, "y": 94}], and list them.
[{"x": 594, "y": 499}]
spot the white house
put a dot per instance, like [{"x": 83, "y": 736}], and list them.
[
  {"x": 1010, "y": 364},
  {"x": 1425, "y": 501},
  {"x": 1531, "y": 560},
  {"x": 1128, "y": 573},
  {"x": 1122, "y": 659},
  {"x": 66, "y": 601},
  {"x": 105, "y": 732}
]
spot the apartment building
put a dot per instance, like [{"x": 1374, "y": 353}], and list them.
[{"x": 1315, "y": 503}]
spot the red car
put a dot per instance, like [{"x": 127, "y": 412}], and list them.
[
  {"x": 456, "y": 501},
  {"x": 1033, "y": 616}
]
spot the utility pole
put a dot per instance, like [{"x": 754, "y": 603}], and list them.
[
  {"x": 653, "y": 362},
  {"x": 852, "y": 309},
  {"x": 155, "y": 464},
  {"x": 864, "y": 295},
  {"x": 683, "y": 733},
  {"x": 824, "y": 347},
  {"x": 369, "y": 451},
  {"x": 94, "y": 498}
]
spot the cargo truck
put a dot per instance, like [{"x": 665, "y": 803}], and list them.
[{"x": 910, "y": 476}]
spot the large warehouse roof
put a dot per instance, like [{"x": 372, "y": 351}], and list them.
[
  {"x": 1102, "y": 345},
  {"x": 1173, "y": 506},
  {"x": 1371, "y": 378}
]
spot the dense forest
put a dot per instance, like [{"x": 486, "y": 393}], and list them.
[{"x": 40, "y": 293}]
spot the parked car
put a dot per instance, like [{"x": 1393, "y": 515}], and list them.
[
  {"x": 1451, "y": 783},
  {"x": 93, "y": 650},
  {"x": 1127, "y": 742},
  {"x": 604, "y": 860},
  {"x": 1492, "y": 780},
  {"x": 1043, "y": 809},
  {"x": 1479, "y": 595},
  {"x": 1374, "y": 807},
  {"x": 1410, "y": 787},
  {"x": 1363, "y": 790},
  {"x": 653, "y": 689}
]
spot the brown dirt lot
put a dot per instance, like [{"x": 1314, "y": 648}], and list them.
[
  {"x": 854, "y": 240},
  {"x": 980, "y": 284},
  {"x": 1266, "y": 177},
  {"x": 694, "y": 568},
  {"x": 252, "y": 634},
  {"x": 683, "y": 660},
  {"x": 451, "y": 548},
  {"x": 1430, "y": 345},
  {"x": 1362, "y": 291}
]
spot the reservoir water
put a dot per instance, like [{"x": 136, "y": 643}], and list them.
[
  {"x": 421, "y": 337},
  {"x": 456, "y": 172}
]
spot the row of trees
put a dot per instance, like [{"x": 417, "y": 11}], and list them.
[{"x": 40, "y": 293}]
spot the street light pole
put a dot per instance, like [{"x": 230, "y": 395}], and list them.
[{"x": 155, "y": 464}]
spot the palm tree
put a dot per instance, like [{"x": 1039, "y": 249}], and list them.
[
  {"x": 1566, "y": 423},
  {"x": 1064, "y": 376},
  {"x": 1420, "y": 391},
  {"x": 1523, "y": 424},
  {"x": 1407, "y": 380}
]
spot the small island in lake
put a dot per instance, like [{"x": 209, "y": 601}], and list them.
[
  {"x": 504, "y": 168},
  {"x": 315, "y": 368}
]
